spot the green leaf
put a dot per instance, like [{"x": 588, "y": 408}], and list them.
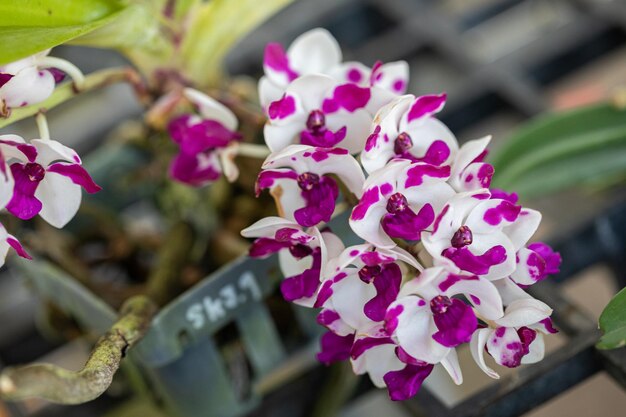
[
  {"x": 560, "y": 150},
  {"x": 613, "y": 323},
  {"x": 214, "y": 29},
  {"x": 31, "y": 26}
]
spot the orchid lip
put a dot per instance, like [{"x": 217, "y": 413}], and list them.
[
  {"x": 368, "y": 273},
  {"x": 300, "y": 251},
  {"x": 34, "y": 171},
  {"x": 440, "y": 304},
  {"x": 316, "y": 120},
  {"x": 308, "y": 181},
  {"x": 402, "y": 143},
  {"x": 462, "y": 237},
  {"x": 397, "y": 203}
]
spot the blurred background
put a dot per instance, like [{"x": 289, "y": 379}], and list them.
[{"x": 500, "y": 61}]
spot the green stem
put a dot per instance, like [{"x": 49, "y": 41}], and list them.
[
  {"x": 68, "y": 91},
  {"x": 61, "y": 386}
]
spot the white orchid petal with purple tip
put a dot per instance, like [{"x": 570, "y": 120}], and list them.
[{"x": 8, "y": 241}]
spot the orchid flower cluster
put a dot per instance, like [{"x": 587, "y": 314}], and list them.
[
  {"x": 42, "y": 176},
  {"x": 445, "y": 259}
]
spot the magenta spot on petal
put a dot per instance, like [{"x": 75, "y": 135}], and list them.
[
  {"x": 399, "y": 85},
  {"x": 552, "y": 259},
  {"x": 361, "y": 346},
  {"x": 276, "y": 59},
  {"x": 439, "y": 217},
  {"x": 327, "y": 317},
  {"x": 479, "y": 265},
  {"x": 375, "y": 258},
  {"x": 319, "y": 202},
  {"x": 370, "y": 143},
  {"x": 386, "y": 188},
  {"x": 347, "y": 96},
  {"x": 426, "y": 106},
  {"x": 475, "y": 299},
  {"x": 77, "y": 174},
  {"x": 324, "y": 294},
  {"x": 17, "y": 247},
  {"x": 267, "y": 178},
  {"x": 500, "y": 331},
  {"x": 548, "y": 325},
  {"x": 485, "y": 173},
  {"x": 421, "y": 303},
  {"x": 416, "y": 174},
  {"x": 354, "y": 252},
  {"x": 497, "y": 194},
  {"x": 369, "y": 198},
  {"x": 282, "y": 108},
  {"x": 503, "y": 211},
  {"x": 452, "y": 279},
  {"x": 354, "y": 75},
  {"x": 391, "y": 318}
]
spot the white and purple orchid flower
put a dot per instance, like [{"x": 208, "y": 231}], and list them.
[
  {"x": 428, "y": 320},
  {"x": 443, "y": 254},
  {"x": 299, "y": 178},
  {"x": 317, "y": 52},
  {"x": 303, "y": 253},
  {"x": 207, "y": 142},
  {"x": 313, "y": 52},
  {"x": 516, "y": 337},
  {"x": 32, "y": 80},
  {"x": 406, "y": 128},
  {"x": 479, "y": 235},
  {"x": 48, "y": 178},
  {"x": 316, "y": 110},
  {"x": 400, "y": 201}
]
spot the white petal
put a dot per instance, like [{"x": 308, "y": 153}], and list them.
[
  {"x": 268, "y": 92},
  {"x": 311, "y": 90},
  {"x": 522, "y": 230},
  {"x": 357, "y": 128},
  {"x": 315, "y": 51},
  {"x": 28, "y": 86},
  {"x": 370, "y": 229},
  {"x": 377, "y": 361},
  {"x": 227, "y": 161},
  {"x": 212, "y": 109},
  {"x": 268, "y": 226},
  {"x": 477, "y": 348},
  {"x": 349, "y": 297},
  {"x": 509, "y": 291},
  {"x": 536, "y": 350},
  {"x": 49, "y": 151},
  {"x": 426, "y": 132},
  {"x": 60, "y": 198},
  {"x": 467, "y": 153},
  {"x": 451, "y": 365},
  {"x": 6, "y": 185},
  {"x": 415, "y": 331},
  {"x": 489, "y": 303},
  {"x": 392, "y": 76},
  {"x": 278, "y": 138},
  {"x": 524, "y": 312}
]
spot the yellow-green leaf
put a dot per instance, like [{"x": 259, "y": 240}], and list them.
[{"x": 613, "y": 323}]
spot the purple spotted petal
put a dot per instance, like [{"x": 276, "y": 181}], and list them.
[
  {"x": 416, "y": 174},
  {"x": 405, "y": 383},
  {"x": 265, "y": 246},
  {"x": 282, "y": 108},
  {"x": 335, "y": 348},
  {"x": 503, "y": 195},
  {"x": 552, "y": 259},
  {"x": 77, "y": 174},
  {"x": 406, "y": 224},
  {"x": 349, "y": 97},
  {"x": 476, "y": 264},
  {"x": 23, "y": 204},
  {"x": 363, "y": 344},
  {"x": 320, "y": 203},
  {"x": 368, "y": 199},
  {"x": 387, "y": 285},
  {"x": 276, "y": 59},
  {"x": 426, "y": 106},
  {"x": 456, "y": 325}
]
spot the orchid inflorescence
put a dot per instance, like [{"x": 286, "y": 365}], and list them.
[
  {"x": 445, "y": 259},
  {"x": 42, "y": 176}
]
